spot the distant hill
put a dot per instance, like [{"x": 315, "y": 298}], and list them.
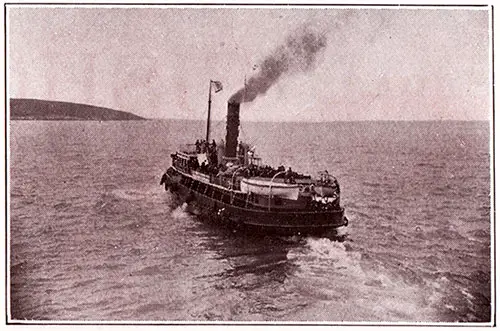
[{"x": 33, "y": 109}]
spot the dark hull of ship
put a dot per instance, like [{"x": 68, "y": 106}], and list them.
[{"x": 230, "y": 209}]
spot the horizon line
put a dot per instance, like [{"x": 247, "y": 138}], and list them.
[{"x": 322, "y": 121}]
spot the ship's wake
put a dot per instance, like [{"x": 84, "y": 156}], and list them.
[
  {"x": 344, "y": 286},
  {"x": 130, "y": 195},
  {"x": 180, "y": 212}
]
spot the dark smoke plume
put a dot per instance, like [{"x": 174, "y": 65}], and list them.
[{"x": 297, "y": 54}]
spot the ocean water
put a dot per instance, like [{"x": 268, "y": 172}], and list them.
[{"x": 93, "y": 237}]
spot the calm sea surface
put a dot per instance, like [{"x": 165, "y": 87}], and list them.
[{"x": 93, "y": 237}]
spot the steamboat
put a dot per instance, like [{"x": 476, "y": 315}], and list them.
[{"x": 229, "y": 183}]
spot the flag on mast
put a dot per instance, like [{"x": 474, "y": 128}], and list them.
[{"x": 217, "y": 85}]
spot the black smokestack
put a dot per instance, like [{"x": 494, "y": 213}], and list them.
[
  {"x": 297, "y": 54},
  {"x": 232, "y": 125}
]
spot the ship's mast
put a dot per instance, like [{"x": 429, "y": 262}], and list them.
[{"x": 209, "y": 107}]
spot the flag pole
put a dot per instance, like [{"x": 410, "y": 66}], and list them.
[{"x": 209, "y": 106}]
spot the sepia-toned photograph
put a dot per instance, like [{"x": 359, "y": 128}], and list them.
[{"x": 249, "y": 164}]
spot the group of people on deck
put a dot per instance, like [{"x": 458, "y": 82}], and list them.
[
  {"x": 203, "y": 146},
  {"x": 269, "y": 172},
  {"x": 209, "y": 148},
  {"x": 212, "y": 165},
  {"x": 209, "y": 168}
]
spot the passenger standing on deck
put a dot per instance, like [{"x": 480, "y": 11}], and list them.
[
  {"x": 327, "y": 177},
  {"x": 240, "y": 148},
  {"x": 291, "y": 178},
  {"x": 288, "y": 174},
  {"x": 198, "y": 150},
  {"x": 204, "y": 146}
]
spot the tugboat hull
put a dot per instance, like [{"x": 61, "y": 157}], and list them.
[{"x": 201, "y": 202}]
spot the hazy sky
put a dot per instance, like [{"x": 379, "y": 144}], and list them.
[{"x": 378, "y": 64}]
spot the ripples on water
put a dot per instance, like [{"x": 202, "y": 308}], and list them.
[{"x": 93, "y": 236}]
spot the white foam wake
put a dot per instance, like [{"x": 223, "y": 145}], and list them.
[{"x": 350, "y": 288}]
